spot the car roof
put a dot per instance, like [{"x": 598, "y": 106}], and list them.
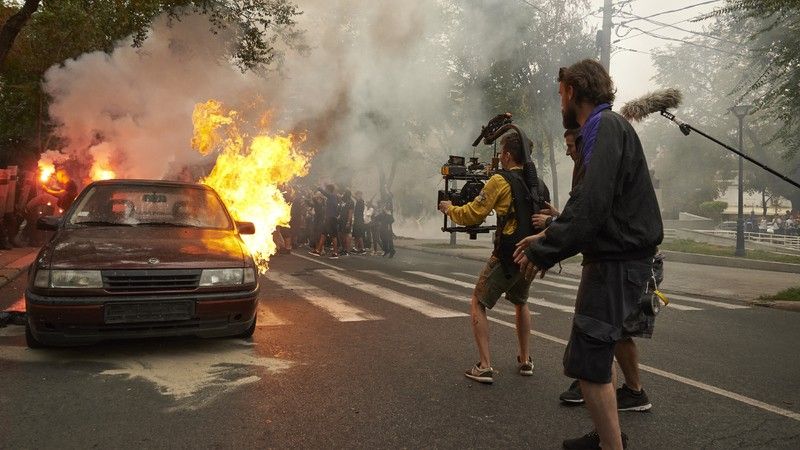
[{"x": 144, "y": 182}]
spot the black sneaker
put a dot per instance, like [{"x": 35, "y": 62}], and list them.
[
  {"x": 525, "y": 368},
  {"x": 481, "y": 375},
  {"x": 630, "y": 400},
  {"x": 589, "y": 441},
  {"x": 573, "y": 394}
]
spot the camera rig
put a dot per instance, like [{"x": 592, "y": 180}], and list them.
[
  {"x": 476, "y": 173},
  {"x": 473, "y": 176}
]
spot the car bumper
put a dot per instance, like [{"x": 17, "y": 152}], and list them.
[{"x": 83, "y": 320}]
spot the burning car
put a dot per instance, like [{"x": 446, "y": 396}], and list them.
[{"x": 140, "y": 258}]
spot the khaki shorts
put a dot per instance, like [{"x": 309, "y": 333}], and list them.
[{"x": 492, "y": 283}]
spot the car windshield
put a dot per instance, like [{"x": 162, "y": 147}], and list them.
[{"x": 128, "y": 205}]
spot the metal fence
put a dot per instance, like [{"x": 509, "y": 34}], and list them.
[{"x": 783, "y": 240}]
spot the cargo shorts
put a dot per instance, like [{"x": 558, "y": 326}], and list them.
[
  {"x": 607, "y": 309},
  {"x": 492, "y": 283}
]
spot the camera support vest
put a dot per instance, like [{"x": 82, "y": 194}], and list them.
[{"x": 526, "y": 203}]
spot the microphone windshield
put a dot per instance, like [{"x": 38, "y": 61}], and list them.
[{"x": 656, "y": 101}]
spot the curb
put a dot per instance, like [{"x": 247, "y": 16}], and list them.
[{"x": 727, "y": 261}]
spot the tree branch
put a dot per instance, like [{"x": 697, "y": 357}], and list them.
[{"x": 12, "y": 27}]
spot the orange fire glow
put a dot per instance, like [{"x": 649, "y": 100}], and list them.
[
  {"x": 46, "y": 170},
  {"x": 99, "y": 173},
  {"x": 248, "y": 172}
]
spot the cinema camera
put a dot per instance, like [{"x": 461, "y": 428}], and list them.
[{"x": 473, "y": 176}]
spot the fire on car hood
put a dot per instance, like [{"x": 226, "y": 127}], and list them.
[{"x": 144, "y": 247}]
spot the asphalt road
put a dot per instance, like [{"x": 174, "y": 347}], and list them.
[{"x": 367, "y": 352}]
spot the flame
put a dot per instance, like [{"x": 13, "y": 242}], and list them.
[
  {"x": 99, "y": 173},
  {"x": 46, "y": 170},
  {"x": 247, "y": 174}
]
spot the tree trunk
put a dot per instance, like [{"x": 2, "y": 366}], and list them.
[
  {"x": 764, "y": 203},
  {"x": 553, "y": 171},
  {"x": 12, "y": 27}
]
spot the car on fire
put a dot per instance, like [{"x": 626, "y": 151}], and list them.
[{"x": 142, "y": 258}]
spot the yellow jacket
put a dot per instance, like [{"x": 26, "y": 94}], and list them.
[{"x": 496, "y": 195}]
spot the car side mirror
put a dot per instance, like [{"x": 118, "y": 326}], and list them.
[
  {"x": 48, "y": 223},
  {"x": 246, "y": 227}
]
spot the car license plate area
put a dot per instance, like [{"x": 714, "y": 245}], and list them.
[{"x": 148, "y": 312}]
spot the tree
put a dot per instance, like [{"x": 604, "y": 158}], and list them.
[
  {"x": 771, "y": 29},
  {"x": 109, "y": 21}
]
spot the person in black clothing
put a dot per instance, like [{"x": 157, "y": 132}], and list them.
[
  {"x": 612, "y": 217},
  {"x": 345, "y": 221},
  {"x": 330, "y": 228},
  {"x": 66, "y": 192},
  {"x": 384, "y": 221},
  {"x": 358, "y": 224}
]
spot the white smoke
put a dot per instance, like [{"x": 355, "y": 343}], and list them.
[{"x": 374, "y": 73}]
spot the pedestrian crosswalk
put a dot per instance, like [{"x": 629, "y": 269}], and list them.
[{"x": 421, "y": 292}]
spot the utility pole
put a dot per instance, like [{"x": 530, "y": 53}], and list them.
[{"x": 604, "y": 41}]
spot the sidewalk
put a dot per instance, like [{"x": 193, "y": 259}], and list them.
[
  {"x": 14, "y": 263},
  {"x": 730, "y": 283}
]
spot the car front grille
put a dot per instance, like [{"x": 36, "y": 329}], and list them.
[{"x": 150, "y": 280}]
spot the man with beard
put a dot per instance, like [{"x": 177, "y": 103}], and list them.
[{"x": 613, "y": 218}]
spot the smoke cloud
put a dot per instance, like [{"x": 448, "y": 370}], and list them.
[{"x": 374, "y": 77}]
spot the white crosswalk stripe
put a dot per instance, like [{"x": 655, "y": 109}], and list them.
[
  {"x": 335, "y": 306},
  {"x": 437, "y": 289},
  {"x": 421, "y": 306}
]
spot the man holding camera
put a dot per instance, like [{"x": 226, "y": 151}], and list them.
[
  {"x": 503, "y": 194},
  {"x": 613, "y": 218}
]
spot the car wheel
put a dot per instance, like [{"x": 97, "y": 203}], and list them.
[
  {"x": 248, "y": 333},
  {"x": 31, "y": 340}
]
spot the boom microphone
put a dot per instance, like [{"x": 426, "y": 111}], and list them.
[{"x": 661, "y": 100}]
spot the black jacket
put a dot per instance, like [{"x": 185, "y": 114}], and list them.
[{"x": 612, "y": 212}]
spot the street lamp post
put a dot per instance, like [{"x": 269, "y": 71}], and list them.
[{"x": 740, "y": 111}]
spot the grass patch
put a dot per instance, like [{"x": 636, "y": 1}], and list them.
[
  {"x": 787, "y": 295},
  {"x": 690, "y": 246}
]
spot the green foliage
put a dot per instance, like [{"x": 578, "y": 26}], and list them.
[
  {"x": 786, "y": 295},
  {"x": 713, "y": 209}
]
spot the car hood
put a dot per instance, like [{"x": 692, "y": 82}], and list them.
[{"x": 140, "y": 247}]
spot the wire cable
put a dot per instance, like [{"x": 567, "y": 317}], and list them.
[{"x": 673, "y": 10}]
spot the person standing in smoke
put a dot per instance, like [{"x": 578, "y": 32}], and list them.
[
  {"x": 358, "y": 224},
  {"x": 330, "y": 223},
  {"x": 66, "y": 191},
  {"x": 384, "y": 221},
  {"x": 345, "y": 222},
  {"x": 613, "y": 218}
]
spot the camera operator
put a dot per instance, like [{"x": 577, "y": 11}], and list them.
[
  {"x": 613, "y": 218},
  {"x": 500, "y": 275}
]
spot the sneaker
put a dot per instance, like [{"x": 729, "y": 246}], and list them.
[
  {"x": 391, "y": 253},
  {"x": 526, "y": 368},
  {"x": 334, "y": 256},
  {"x": 630, "y": 400},
  {"x": 589, "y": 441},
  {"x": 314, "y": 253},
  {"x": 481, "y": 375},
  {"x": 573, "y": 394}
]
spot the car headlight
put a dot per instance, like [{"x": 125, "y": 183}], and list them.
[
  {"x": 87, "y": 279},
  {"x": 42, "y": 279},
  {"x": 221, "y": 277},
  {"x": 250, "y": 275}
]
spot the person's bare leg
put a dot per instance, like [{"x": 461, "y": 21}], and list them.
[
  {"x": 480, "y": 328},
  {"x": 628, "y": 359},
  {"x": 601, "y": 400},
  {"x": 523, "y": 331},
  {"x": 321, "y": 244}
]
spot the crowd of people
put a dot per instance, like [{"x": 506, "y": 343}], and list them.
[
  {"x": 786, "y": 224},
  {"x": 337, "y": 222}
]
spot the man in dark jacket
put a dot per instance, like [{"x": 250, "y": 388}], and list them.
[{"x": 613, "y": 218}]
